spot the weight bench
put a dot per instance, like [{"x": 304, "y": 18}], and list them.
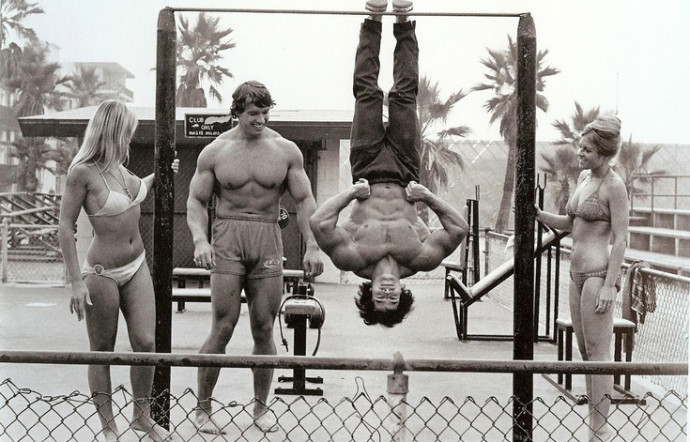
[
  {"x": 469, "y": 295},
  {"x": 182, "y": 293}
]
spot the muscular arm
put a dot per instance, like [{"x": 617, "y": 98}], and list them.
[
  {"x": 300, "y": 190},
  {"x": 442, "y": 242},
  {"x": 333, "y": 239},
  {"x": 200, "y": 192}
]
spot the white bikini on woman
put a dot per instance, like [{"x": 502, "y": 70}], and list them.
[{"x": 117, "y": 203}]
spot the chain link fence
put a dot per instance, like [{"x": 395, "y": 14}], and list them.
[
  {"x": 28, "y": 415},
  {"x": 31, "y": 253},
  {"x": 662, "y": 337}
]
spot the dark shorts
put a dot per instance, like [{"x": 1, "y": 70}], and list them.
[
  {"x": 378, "y": 152},
  {"x": 249, "y": 246}
]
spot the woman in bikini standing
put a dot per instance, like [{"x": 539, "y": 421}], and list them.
[
  {"x": 596, "y": 212},
  {"x": 115, "y": 274}
]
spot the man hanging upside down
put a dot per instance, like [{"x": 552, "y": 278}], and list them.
[{"x": 383, "y": 239}]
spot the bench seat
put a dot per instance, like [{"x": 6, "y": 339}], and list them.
[{"x": 202, "y": 293}]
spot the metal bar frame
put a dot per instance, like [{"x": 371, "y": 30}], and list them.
[{"x": 524, "y": 212}]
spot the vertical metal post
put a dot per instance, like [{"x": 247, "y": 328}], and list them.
[
  {"x": 523, "y": 291},
  {"x": 5, "y": 246},
  {"x": 537, "y": 264},
  {"x": 163, "y": 208},
  {"x": 398, "y": 386}
]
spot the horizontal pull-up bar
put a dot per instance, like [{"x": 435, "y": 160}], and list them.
[
  {"x": 325, "y": 12},
  {"x": 323, "y": 363}
]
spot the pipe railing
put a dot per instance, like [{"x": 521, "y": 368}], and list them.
[{"x": 332, "y": 363}]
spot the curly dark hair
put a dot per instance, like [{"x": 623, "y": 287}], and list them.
[
  {"x": 250, "y": 92},
  {"x": 388, "y": 318}
]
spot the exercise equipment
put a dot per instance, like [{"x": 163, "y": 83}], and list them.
[{"x": 299, "y": 309}]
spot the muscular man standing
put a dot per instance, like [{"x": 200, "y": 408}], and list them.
[
  {"x": 383, "y": 239},
  {"x": 248, "y": 169}
]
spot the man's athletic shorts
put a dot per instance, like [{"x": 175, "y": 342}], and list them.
[{"x": 248, "y": 245}]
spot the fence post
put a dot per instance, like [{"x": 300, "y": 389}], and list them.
[
  {"x": 397, "y": 398},
  {"x": 5, "y": 246},
  {"x": 523, "y": 288},
  {"x": 164, "y": 152}
]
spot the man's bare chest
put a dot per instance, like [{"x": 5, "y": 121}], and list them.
[
  {"x": 392, "y": 237},
  {"x": 237, "y": 170}
]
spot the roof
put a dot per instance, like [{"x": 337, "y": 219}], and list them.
[
  {"x": 109, "y": 66},
  {"x": 305, "y": 124}
]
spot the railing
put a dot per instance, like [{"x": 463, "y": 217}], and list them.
[
  {"x": 669, "y": 192},
  {"x": 405, "y": 414},
  {"x": 30, "y": 253}
]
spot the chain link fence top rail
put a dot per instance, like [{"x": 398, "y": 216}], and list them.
[{"x": 26, "y": 415}]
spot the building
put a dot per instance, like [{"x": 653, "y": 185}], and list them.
[
  {"x": 322, "y": 135},
  {"x": 115, "y": 77}
]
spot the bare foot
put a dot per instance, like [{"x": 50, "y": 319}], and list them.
[
  {"x": 110, "y": 435},
  {"x": 605, "y": 434},
  {"x": 266, "y": 422},
  {"x": 206, "y": 424},
  {"x": 152, "y": 430}
]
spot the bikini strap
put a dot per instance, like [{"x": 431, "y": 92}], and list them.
[
  {"x": 600, "y": 182},
  {"x": 102, "y": 176}
]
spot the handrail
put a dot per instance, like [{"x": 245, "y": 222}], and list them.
[
  {"x": 27, "y": 211},
  {"x": 335, "y": 363},
  {"x": 655, "y": 178}
]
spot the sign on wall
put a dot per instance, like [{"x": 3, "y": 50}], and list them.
[{"x": 206, "y": 125}]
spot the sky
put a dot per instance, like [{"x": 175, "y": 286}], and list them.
[{"x": 624, "y": 56}]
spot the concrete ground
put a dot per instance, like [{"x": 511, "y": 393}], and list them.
[{"x": 34, "y": 317}]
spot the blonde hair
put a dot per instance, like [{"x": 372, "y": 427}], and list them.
[
  {"x": 605, "y": 134},
  {"x": 107, "y": 137}
]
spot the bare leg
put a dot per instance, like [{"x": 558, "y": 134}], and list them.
[
  {"x": 597, "y": 329},
  {"x": 225, "y": 303},
  {"x": 139, "y": 309},
  {"x": 101, "y": 325},
  {"x": 594, "y": 332},
  {"x": 264, "y": 297}
]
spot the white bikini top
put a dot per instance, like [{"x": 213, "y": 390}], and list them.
[{"x": 117, "y": 202}]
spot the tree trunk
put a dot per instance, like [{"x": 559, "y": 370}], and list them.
[
  {"x": 508, "y": 188},
  {"x": 28, "y": 181},
  {"x": 563, "y": 196}
]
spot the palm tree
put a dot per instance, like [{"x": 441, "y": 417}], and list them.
[
  {"x": 36, "y": 82},
  {"x": 561, "y": 163},
  {"x": 85, "y": 86},
  {"x": 35, "y": 85},
  {"x": 198, "y": 53},
  {"x": 437, "y": 160},
  {"x": 33, "y": 154},
  {"x": 12, "y": 14},
  {"x": 632, "y": 164},
  {"x": 502, "y": 80}
]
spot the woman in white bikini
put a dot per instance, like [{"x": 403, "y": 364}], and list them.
[
  {"x": 596, "y": 212},
  {"x": 115, "y": 274}
]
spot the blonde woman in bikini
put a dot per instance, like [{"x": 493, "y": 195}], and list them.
[
  {"x": 115, "y": 275},
  {"x": 597, "y": 216}
]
